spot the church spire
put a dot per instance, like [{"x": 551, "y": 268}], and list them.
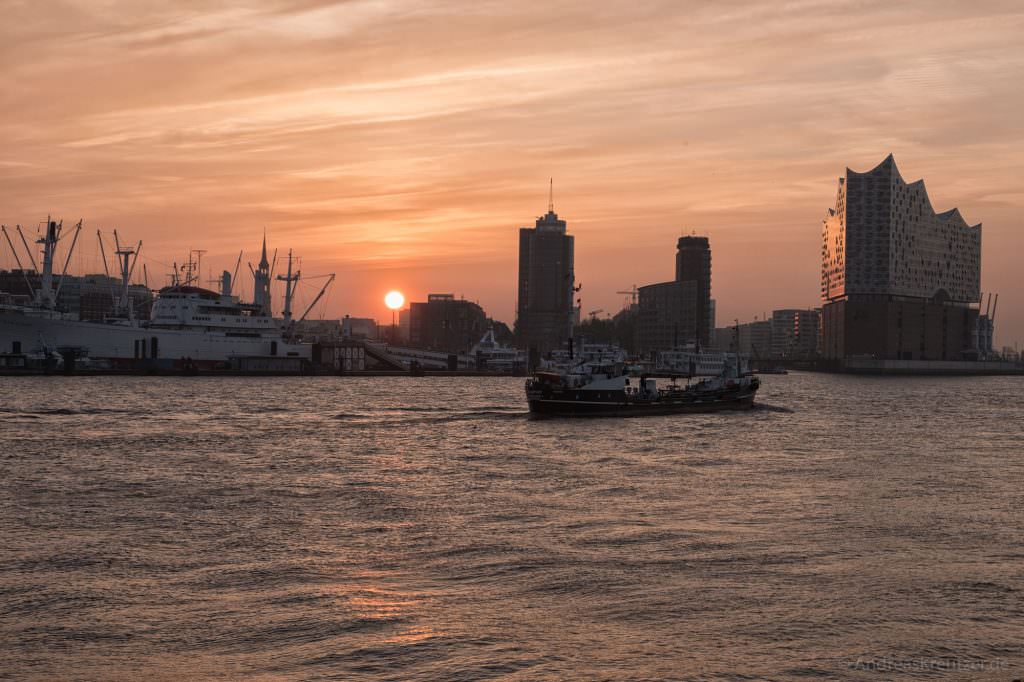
[
  {"x": 261, "y": 277},
  {"x": 264, "y": 263}
]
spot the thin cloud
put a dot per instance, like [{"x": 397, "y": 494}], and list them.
[{"x": 377, "y": 135}]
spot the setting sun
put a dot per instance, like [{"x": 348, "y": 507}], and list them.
[{"x": 394, "y": 300}]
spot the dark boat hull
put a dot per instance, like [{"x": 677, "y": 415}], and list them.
[{"x": 573, "y": 404}]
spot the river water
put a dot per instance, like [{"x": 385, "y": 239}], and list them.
[{"x": 425, "y": 529}]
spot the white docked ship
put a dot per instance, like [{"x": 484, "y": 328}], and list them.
[
  {"x": 697, "y": 363},
  {"x": 189, "y": 326},
  {"x": 583, "y": 353},
  {"x": 491, "y": 355}
]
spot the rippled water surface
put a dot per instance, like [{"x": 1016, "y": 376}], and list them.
[{"x": 425, "y": 529}]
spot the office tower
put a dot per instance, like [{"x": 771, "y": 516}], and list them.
[
  {"x": 545, "y": 305},
  {"x": 668, "y": 315},
  {"x": 693, "y": 264},
  {"x": 679, "y": 312}
]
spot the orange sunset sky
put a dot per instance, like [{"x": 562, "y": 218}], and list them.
[{"x": 401, "y": 144}]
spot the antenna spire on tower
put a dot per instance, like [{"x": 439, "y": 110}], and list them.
[{"x": 551, "y": 195}]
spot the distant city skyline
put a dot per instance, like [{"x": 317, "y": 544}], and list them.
[{"x": 402, "y": 145}]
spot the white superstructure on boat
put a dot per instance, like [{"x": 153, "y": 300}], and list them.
[{"x": 692, "y": 362}]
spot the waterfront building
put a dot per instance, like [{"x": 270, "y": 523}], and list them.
[
  {"x": 445, "y": 323},
  {"x": 724, "y": 338},
  {"x": 750, "y": 338},
  {"x": 404, "y": 320},
  {"x": 693, "y": 264},
  {"x": 86, "y": 297},
  {"x": 898, "y": 280},
  {"x": 755, "y": 338},
  {"x": 359, "y": 327},
  {"x": 545, "y": 307},
  {"x": 783, "y": 334},
  {"x": 679, "y": 312},
  {"x": 319, "y": 331},
  {"x": 986, "y": 330},
  {"x": 794, "y": 333},
  {"x": 668, "y": 315},
  {"x": 807, "y": 341}
]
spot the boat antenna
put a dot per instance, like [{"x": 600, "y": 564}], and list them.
[{"x": 199, "y": 263}]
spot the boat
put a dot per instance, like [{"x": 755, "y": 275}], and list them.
[
  {"x": 583, "y": 354},
  {"x": 190, "y": 327},
  {"x": 610, "y": 391},
  {"x": 692, "y": 361},
  {"x": 492, "y": 355}
]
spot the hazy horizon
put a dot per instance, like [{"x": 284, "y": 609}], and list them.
[{"x": 401, "y": 145}]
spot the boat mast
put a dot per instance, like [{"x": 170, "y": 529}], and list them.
[
  {"x": 126, "y": 262},
  {"x": 49, "y": 242},
  {"x": 290, "y": 281},
  {"x": 198, "y": 264},
  {"x": 45, "y": 296},
  {"x": 738, "y": 370}
]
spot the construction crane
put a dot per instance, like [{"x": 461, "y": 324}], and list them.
[
  {"x": 631, "y": 297},
  {"x": 594, "y": 313}
]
